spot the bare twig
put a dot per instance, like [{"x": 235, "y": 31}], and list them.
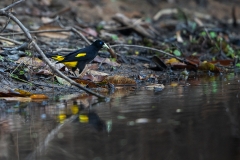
[
  {"x": 11, "y": 5},
  {"x": 4, "y": 27},
  {"x": 157, "y": 50},
  {"x": 81, "y": 35},
  {"x": 10, "y": 40},
  {"x": 35, "y": 32},
  {"x": 45, "y": 59}
]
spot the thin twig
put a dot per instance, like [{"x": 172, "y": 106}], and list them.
[
  {"x": 157, "y": 50},
  {"x": 81, "y": 35},
  {"x": 10, "y": 40},
  {"x": 35, "y": 32},
  {"x": 45, "y": 59},
  {"x": 4, "y": 27},
  {"x": 12, "y": 5}
]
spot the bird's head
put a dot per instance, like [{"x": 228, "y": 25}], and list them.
[{"x": 100, "y": 44}]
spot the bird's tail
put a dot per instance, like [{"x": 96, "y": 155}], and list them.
[{"x": 55, "y": 57}]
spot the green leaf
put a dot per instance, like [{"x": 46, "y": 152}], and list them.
[
  {"x": 213, "y": 34},
  {"x": 177, "y": 52},
  {"x": 1, "y": 58},
  {"x": 238, "y": 65},
  {"x": 203, "y": 34}
]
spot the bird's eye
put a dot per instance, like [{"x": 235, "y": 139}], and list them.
[{"x": 100, "y": 43}]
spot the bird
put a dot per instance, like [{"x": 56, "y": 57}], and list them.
[{"x": 79, "y": 58}]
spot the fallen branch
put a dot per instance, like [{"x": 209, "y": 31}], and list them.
[{"x": 45, "y": 59}]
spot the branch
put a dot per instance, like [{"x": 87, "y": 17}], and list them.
[{"x": 45, "y": 59}]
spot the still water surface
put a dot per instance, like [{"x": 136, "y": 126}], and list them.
[{"x": 198, "y": 122}]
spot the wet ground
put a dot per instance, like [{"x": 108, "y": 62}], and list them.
[{"x": 200, "y": 121}]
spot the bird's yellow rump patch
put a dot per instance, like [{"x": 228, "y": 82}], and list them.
[
  {"x": 58, "y": 58},
  {"x": 80, "y": 55},
  {"x": 71, "y": 64}
]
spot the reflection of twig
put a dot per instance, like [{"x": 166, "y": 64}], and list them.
[{"x": 37, "y": 48}]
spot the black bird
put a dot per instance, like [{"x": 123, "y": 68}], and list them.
[{"x": 79, "y": 58}]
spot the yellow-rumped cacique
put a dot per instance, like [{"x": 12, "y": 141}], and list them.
[{"x": 79, "y": 58}]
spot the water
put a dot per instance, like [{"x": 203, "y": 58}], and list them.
[{"x": 200, "y": 121}]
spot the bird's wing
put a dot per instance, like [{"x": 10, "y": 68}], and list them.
[{"x": 83, "y": 54}]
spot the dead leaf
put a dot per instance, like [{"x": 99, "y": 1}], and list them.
[
  {"x": 225, "y": 62},
  {"x": 44, "y": 72},
  {"x": 94, "y": 78},
  {"x": 23, "y": 92},
  {"x": 85, "y": 83},
  {"x": 155, "y": 87},
  {"x": 45, "y": 2},
  {"x": 119, "y": 80},
  {"x": 106, "y": 60},
  {"x": 62, "y": 81},
  {"x": 91, "y": 31},
  {"x": 32, "y": 61},
  {"x": 58, "y": 35},
  {"x": 20, "y": 99},
  {"x": 179, "y": 38},
  {"x": 97, "y": 73},
  {"x": 38, "y": 96},
  {"x": 207, "y": 66},
  {"x": 46, "y": 20}
]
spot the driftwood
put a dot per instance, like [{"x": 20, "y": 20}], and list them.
[{"x": 131, "y": 24}]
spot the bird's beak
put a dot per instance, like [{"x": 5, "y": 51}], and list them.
[{"x": 106, "y": 46}]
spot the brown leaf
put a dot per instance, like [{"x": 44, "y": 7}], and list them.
[
  {"x": 96, "y": 78},
  {"x": 120, "y": 80},
  {"x": 36, "y": 62},
  {"x": 38, "y": 96},
  {"x": 44, "y": 72},
  {"x": 106, "y": 60},
  {"x": 86, "y": 83},
  {"x": 58, "y": 35},
  {"x": 91, "y": 31}
]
